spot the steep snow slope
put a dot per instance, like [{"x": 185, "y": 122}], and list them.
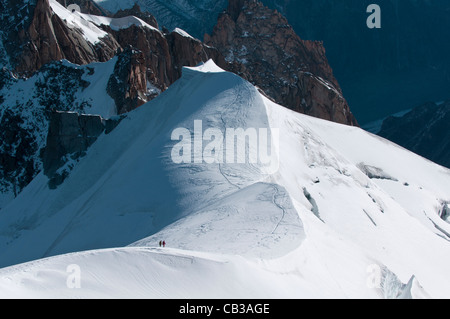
[
  {"x": 129, "y": 178},
  {"x": 24, "y": 108},
  {"x": 317, "y": 226}
]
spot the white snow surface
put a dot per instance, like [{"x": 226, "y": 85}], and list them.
[
  {"x": 118, "y": 23},
  {"x": 313, "y": 229},
  {"x": 91, "y": 32},
  {"x": 183, "y": 33}
]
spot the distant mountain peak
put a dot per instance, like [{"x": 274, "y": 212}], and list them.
[
  {"x": 294, "y": 72},
  {"x": 423, "y": 130}
]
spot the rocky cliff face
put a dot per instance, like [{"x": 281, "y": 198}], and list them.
[
  {"x": 188, "y": 51},
  {"x": 295, "y": 73},
  {"x": 137, "y": 12},
  {"x": 158, "y": 64},
  {"x": 44, "y": 37},
  {"x": 48, "y": 38},
  {"x": 257, "y": 43},
  {"x": 128, "y": 84},
  {"x": 424, "y": 130},
  {"x": 69, "y": 137},
  {"x": 377, "y": 68}
]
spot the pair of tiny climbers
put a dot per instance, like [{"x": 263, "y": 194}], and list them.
[{"x": 162, "y": 243}]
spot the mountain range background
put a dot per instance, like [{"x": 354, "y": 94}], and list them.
[{"x": 375, "y": 67}]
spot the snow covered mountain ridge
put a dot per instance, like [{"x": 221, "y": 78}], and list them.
[
  {"x": 139, "y": 62},
  {"x": 338, "y": 218}
]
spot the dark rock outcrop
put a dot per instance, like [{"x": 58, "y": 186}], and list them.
[
  {"x": 17, "y": 147},
  {"x": 188, "y": 51},
  {"x": 444, "y": 212},
  {"x": 137, "y": 12},
  {"x": 48, "y": 38},
  {"x": 253, "y": 41},
  {"x": 295, "y": 73},
  {"x": 159, "y": 62},
  {"x": 156, "y": 57},
  {"x": 43, "y": 37},
  {"x": 128, "y": 84},
  {"x": 424, "y": 130},
  {"x": 69, "y": 137}
]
